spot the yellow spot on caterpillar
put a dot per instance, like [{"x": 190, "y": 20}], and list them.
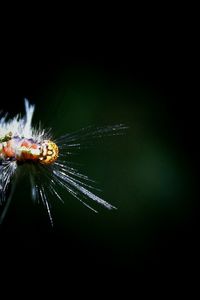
[{"x": 52, "y": 154}]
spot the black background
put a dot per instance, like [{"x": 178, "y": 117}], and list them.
[{"x": 157, "y": 56}]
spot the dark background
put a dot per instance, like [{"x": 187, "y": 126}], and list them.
[{"x": 133, "y": 75}]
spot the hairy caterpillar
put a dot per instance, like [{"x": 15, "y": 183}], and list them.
[{"x": 20, "y": 144}]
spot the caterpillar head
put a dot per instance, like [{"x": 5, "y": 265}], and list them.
[{"x": 49, "y": 152}]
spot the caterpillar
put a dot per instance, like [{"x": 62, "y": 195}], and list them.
[{"x": 49, "y": 167}]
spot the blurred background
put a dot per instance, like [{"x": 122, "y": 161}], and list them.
[{"x": 149, "y": 174}]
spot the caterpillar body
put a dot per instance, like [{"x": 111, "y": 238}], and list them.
[{"x": 21, "y": 143}]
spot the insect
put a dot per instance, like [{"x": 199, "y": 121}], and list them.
[{"x": 47, "y": 160}]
